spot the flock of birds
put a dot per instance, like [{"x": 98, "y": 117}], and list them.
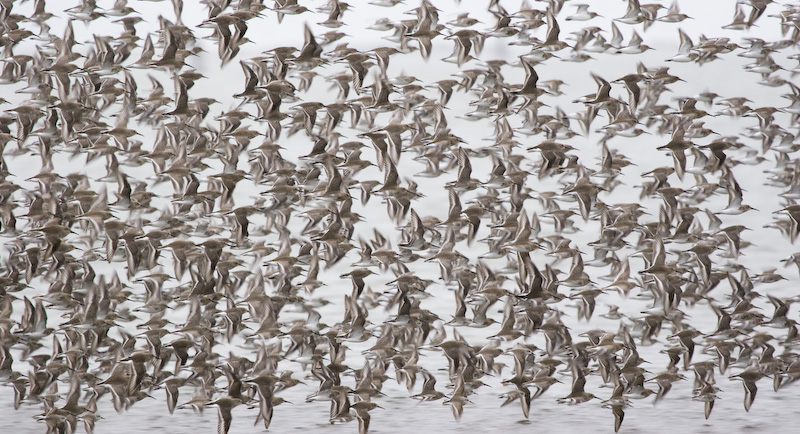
[{"x": 198, "y": 247}]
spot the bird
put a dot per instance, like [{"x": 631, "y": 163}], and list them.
[
  {"x": 164, "y": 224},
  {"x": 224, "y": 406},
  {"x": 749, "y": 377},
  {"x": 578, "y": 395}
]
